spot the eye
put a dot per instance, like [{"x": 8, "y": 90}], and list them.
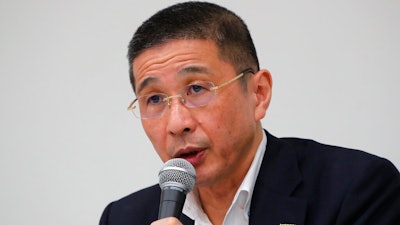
[
  {"x": 197, "y": 89},
  {"x": 154, "y": 99}
]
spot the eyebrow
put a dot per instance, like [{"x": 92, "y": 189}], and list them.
[
  {"x": 146, "y": 83},
  {"x": 184, "y": 71},
  {"x": 194, "y": 69}
]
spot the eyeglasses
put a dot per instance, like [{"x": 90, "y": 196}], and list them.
[{"x": 194, "y": 95}]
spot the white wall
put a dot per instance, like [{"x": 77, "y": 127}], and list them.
[{"x": 68, "y": 146}]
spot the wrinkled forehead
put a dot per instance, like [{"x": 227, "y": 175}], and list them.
[{"x": 178, "y": 57}]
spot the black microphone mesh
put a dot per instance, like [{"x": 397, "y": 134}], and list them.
[{"x": 177, "y": 173}]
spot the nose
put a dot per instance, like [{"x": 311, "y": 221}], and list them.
[{"x": 180, "y": 118}]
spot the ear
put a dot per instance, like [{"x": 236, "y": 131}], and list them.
[{"x": 262, "y": 87}]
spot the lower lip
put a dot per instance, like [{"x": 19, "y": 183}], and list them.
[{"x": 195, "y": 159}]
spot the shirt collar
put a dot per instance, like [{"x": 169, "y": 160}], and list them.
[{"x": 249, "y": 181}]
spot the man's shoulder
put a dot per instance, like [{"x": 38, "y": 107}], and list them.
[
  {"x": 144, "y": 198},
  {"x": 310, "y": 150},
  {"x": 140, "y": 207},
  {"x": 315, "y": 152},
  {"x": 324, "y": 162}
]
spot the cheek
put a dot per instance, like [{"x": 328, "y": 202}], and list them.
[
  {"x": 212, "y": 120},
  {"x": 149, "y": 130},
  {"x": 228, "y": 116},
  {"x": 155, "y": 133}
]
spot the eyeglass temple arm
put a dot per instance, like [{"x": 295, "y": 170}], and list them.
[
  {"x": 235, "y": 78},
  {"x": 131, "y": 106}
]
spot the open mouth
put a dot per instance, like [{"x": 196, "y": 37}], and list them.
[
  {"x": 188, "y": 154},
  {"x": 195, "y": 157}
]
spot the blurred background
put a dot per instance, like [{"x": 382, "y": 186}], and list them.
[{"x": 68, "y": 145}]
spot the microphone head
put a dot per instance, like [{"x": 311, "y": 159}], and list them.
[{"x": 179, "y": 173}]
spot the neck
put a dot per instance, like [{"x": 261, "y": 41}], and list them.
[
  {"x": 216, "y": 201},
  {"x": 217, "y": 198}
]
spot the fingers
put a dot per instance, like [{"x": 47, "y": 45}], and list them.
[{"x": 167, "y": 221}]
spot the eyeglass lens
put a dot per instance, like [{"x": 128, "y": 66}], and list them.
[{"x": 194, "y": 95}]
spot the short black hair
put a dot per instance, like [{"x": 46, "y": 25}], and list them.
[{"x": 197, "y": 20}]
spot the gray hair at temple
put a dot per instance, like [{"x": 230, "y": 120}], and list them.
[{"x": 197, "y": 20}]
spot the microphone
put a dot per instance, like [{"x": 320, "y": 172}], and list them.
[{"x": 176, "y": 178}]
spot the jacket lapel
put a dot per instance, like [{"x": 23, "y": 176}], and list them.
[{"x": 272, "y": 201}]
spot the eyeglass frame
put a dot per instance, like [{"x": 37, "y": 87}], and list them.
[{"x": 168, "y": 102}]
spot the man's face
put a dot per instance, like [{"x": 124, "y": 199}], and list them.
[{"x": 220, "y": 138}]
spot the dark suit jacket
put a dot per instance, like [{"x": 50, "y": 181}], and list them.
[{"x": 300, "y": 182}]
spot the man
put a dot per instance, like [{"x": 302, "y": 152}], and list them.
[{"x": 201, "y": 97}]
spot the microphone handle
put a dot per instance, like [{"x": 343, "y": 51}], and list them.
[{"x": 171, "y": 202}]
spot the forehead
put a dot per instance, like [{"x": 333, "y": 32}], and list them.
[{"x": 177, "y": 57}]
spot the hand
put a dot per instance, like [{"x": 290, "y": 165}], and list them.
[{"x": 167, "y": 221}]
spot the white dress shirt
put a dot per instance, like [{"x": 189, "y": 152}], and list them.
[{"x": 238, "y": 212}]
